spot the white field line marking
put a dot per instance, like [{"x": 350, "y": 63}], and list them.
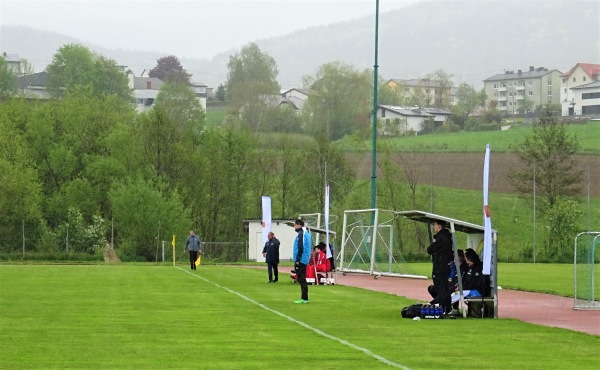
[{"x": 320, "y": 332}]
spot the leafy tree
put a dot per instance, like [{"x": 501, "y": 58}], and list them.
[
  {"x": 562, "y": 224},
  {"x": 67, "y": 142},
  {"x": 221, "y": 181},
  {"x": 181, "y": 105},
  {"x": 548, "y": 152},
  {"x": 281, "y": 119},
  {"x": 492, "y": 114},
  {"x": 220, "y": 93},
  {"x": 340, "y": 102},
  {"x": 74, "y": 65},
  {"x": 169, "y": 69},
  {"x": 171, "y": 130},
  {"x": 8, "y": 83},
  {"x": 251, "y": 73},
  {"x": 80, "y": 237},
  {"x": 138, "y": 208},
  {"x": 467, "y": 98},
  {"x": 320, "y": 159},
  {"x": 20, "y": 189},
  {"x": 442, "y": 83},
  {"x": 527, "y": 105},
  {"x": 391, "y": 95}
]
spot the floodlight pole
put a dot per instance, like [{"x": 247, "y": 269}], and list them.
[{"x": 374, "y": 150}]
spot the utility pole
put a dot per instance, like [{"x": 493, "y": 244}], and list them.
[{"x": 374, "y": 151}]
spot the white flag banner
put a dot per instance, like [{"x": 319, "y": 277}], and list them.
[
  {"x": 328, "y": 254},
  {"x": 266, "y": 218},
  {"x": 487, "y": 221}
]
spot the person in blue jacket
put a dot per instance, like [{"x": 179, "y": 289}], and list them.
[
  {"x": 302, "y": 250},
  {"x": 193, "y": 244},
  {"x": 271, "y": 254}
]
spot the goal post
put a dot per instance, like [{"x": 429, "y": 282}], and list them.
[
  {"x": 585, "y": 279},
  {"x": 370, "y": 244}
]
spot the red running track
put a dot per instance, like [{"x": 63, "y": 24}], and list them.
[{"x": 535, "y": 308}]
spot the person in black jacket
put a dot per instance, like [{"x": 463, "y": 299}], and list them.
[
  {"x": 453, "y": 284},
  {"x": 441, "y": 256},
  {"x": 271, "y": 254},
  {"x": 474, "y": 279}
]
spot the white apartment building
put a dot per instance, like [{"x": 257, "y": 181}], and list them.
[{"x": 511, "y": 88}]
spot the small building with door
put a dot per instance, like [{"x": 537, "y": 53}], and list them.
[{"x": 282, "y": 230}]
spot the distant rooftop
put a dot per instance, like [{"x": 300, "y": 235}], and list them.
[
  {"x": 416, "y": 111},
  {"x": 11, "y": 58},
  {"x": 531, "y": 73},
  {"x": 416, "y": 82},
  {"x": 34, "y": 80},
  {"x": 591, "y": 85},
  {"x": 591, "y": 69},
  {"x": 141, "y": 83}
]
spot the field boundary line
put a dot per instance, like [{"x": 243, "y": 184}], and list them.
[{"x": 301, "y": 323}]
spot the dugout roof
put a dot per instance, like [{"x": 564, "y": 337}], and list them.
[{"x": 425, "y": 217}]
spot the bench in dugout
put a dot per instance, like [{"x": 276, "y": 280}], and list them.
[
  {"x": 318, "y": 276},
  {"x": 481, "y": 307}
]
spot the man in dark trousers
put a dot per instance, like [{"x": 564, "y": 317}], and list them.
[
  {"x": 193, "y": 245},
  {"x": 271, "y": 254},
  {"x": 302, "y": 250},
  {"x": 441, "y": 256}
]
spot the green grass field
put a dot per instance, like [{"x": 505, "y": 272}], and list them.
[
  {"x": 458, "y": 142},
  {"x": 146, "y": 317},
  {"x": 551, "y": 278},
  {"x": 511, "y": 217},
  {"x": 215, "y": 118}
]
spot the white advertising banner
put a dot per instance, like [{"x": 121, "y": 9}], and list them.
[
  {"x": 487, "y": 221},
  {"x": 266, "y": 217}
]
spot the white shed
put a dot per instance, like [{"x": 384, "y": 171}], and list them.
[{"x": 282, "y": 230}]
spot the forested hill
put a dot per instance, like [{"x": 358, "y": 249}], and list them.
[{"x": 470, "y": 39}]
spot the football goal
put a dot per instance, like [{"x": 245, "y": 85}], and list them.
[
  {"x": 586, "y": 280},
  {"x": 370, "y": 244}
]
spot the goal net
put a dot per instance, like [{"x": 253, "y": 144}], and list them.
[
  {"x": 586, "y": 271},
  {"x": 317, "y": 220},
  {"x": 370, "y": 244}
]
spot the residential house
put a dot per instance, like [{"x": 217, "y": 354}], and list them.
[
  {"x": 586, "y": 99},
  {"x": 33, "y": 86},
  {"x": 423, "y": 92},
  {"x": 510, "y": 89},
  {"x": 269, "y": 101},
  {"x": 410, "y": 118},
  {"x": 145, "y": 91},
  {"x": 278, "y": 101},
  {"x": 201, "y": 92},
  {"x": 581, "y": 74},
  {"x": 14, "y": 63},
  {"x": 297, "y": 96}
]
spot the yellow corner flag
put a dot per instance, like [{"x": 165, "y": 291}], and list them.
[{"x": 173, "y": 244}]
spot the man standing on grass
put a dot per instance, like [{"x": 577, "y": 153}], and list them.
[
  {"x": 271, "y": 254},
  {"x": 193, "y": 245},
  {"x": 441, "y": 256},
  {"x": 302, "y": 249}
]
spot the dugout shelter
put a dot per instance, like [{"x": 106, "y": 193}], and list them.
[{"x": 486, "y": 306}]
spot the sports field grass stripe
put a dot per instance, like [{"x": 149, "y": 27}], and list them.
[{"x": 303, "y": 324}]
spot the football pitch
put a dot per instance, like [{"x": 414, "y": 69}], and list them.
[{"x": 160, "y": 317}]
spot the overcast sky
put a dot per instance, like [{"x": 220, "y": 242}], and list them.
[{"x": 193, "y": 28}]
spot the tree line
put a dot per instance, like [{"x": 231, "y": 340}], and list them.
[{"x": 83, "y": 167}]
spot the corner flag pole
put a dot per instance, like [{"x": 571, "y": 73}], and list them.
[{"x": 173, "y": 244}]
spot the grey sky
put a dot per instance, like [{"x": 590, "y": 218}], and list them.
[{"x": 193, "y": 28}]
